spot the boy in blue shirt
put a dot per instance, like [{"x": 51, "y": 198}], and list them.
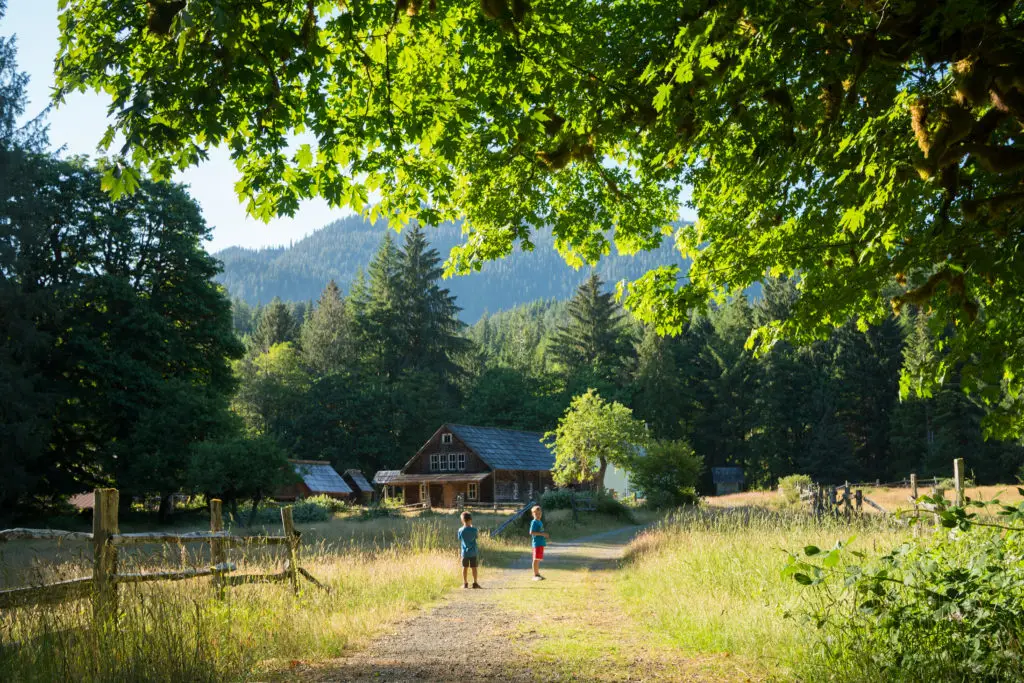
[
  {"x": 467, "y": 542},
  {"x": 540, "y": 539}
]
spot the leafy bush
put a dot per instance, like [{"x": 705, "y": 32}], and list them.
[
  {"x": 667, "y": 474},
  {"x": 945, "y": 608},
  {"x": 315, "y": 509},
  {"x": 791, "y": 486},
  {"x": 607, "y": 505},
  {"x": 558, "y": 499},
  {"x": 332, "y": 505}
]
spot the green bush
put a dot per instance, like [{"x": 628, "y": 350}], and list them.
[
  {"x": 946, "y": 608},
  {"x": 791, "y": 486},
  {"x": 667, "y": 474},
  {"x": 304, "y": 511},
  {"x": 607, "y": 505},
  {"x": 558, "y": 499}
]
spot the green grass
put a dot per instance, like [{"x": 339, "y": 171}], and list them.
[{"x": 708, "y": 582}]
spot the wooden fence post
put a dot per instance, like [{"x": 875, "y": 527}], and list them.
[
  {"x": 913, "y": 498},
  {"x": 958, "y": 480},
  {"x": 859, "y": 497},
  {"x": 104, "y": 567},
  {"x": 293, "y": 547},
  {"x": 218, "y": 554}
]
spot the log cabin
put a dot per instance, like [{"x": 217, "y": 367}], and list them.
[{"x": 485, "y": 465}]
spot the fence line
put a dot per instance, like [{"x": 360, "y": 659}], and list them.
[{"x": 107, "y": 540}]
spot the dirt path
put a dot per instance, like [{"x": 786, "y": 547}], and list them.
[{"x": 515, "y": 629}]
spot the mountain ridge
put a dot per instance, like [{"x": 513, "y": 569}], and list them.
[{"x": 300, "y": 271}]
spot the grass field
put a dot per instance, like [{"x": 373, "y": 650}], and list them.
[
  {"x": 708, "y": 583},
  {"x": 377, "y": 570},
  {"x": 892, "y": 499}
]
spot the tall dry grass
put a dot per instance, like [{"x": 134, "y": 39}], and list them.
[
  {"x": 708, "y": 581},
  {"x": 376, "y": 571}
]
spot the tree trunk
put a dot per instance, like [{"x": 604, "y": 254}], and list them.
[
  {"x": 602, "y": 467},
  {"x": 255, "y": 503},
  {"x": 164, "y": 514}
]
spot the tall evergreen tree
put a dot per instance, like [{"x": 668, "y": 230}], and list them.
[
  {"x": 659, "y": 397},
  {"x": 326, "y": 336},
  {"x": 275, "y": 326},
  {"x": 595, "y": 338},
  {"x": 381, "y": 313},
  {"x": 434, "y": 336}
]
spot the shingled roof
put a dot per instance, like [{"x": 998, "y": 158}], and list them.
[
  {"x": 506, "y": 449},
  {"x": 384, "y": 477},
  {"x": 359, "y": 480},
  {"x": 320, "y": 477}
]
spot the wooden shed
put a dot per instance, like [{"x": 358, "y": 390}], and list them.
[
  {"x": 727, "y": 480},
  {"x": 361, "y": 489},
  {"x": 317, "y": 478},
  {"x": 482, "y": 464},
  {"x": 383, "y": 480}
]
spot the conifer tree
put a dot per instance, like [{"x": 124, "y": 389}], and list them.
[
  {"x": 326, "y": 336},
  {"x": 275, "y": 326},
  {"x": 595, "y": 337},
  {"x": 382, "y": 312},
  {"x": 433, "y": 330}
]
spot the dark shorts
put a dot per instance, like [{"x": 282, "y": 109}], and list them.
[
  {"x": 469, "y": 562},
  {"x": 538, "y": 552}
]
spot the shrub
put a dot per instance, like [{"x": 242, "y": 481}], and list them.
[
  {"x": 558, "y": 499},
  {"x": 607, "y": 505},
  {"x": 332, "y": 505},
  {"x": 791, "y": 486},
  {"x": 945, "y": 608},
  {"x": 315, "y": 509},
  {"x": 667, "y": 474}
]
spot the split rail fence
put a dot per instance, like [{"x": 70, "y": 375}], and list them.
[
  {"x": 841, "y": 501},
  {"x": 107, "y": 539}
]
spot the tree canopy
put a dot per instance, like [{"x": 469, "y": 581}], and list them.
[
  {"x": 593, "y": 433},
  {"x": 870, "y": 148}
]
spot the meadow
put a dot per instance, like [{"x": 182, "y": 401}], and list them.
[{"x": 377, "y": 568}]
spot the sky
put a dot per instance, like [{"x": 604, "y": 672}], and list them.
[{"x": 78, "y": 125}]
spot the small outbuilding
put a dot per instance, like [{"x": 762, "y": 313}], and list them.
[
  {"x": 384, "y": 482},
  {"x": 317, "y": 478},
  {"x": 361, "y": 488},
  {"x": 727, "y": 480}
]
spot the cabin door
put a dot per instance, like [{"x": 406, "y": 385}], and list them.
[{"x": 436, "y": 496}]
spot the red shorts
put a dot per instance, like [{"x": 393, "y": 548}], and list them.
[{"x": 538, "y": 552}]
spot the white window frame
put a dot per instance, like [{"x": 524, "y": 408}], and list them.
[
  {"x": 424, "y": 492},
  {"x": 462, "y": 462},
  {"x": 435, "y": 462},
  {"x": 446, "y": 438},
  {"x": 472, "y": 491},
  {"x": 451, "y": 462}
]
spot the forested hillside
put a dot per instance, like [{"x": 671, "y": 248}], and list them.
[{"x": 336, "y": 252}]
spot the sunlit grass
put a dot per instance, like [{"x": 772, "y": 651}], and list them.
[{"x": 709, "y": 581}]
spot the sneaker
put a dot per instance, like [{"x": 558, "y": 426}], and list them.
[
  {"x": 538, "y": 577},
  {"x": 465, "y": 585},
  {"x": 477, "y": 585}
]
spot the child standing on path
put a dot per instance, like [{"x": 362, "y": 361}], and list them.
[
  {"x": 540, "y": 539},
  {"x": 467, "y": 543}
]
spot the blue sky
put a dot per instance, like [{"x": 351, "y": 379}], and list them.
[{"x": 80, "y": 122}]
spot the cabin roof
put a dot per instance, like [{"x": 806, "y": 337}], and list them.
[
  {"x": 320, "y": 477},
  {"x": 385, "y": 476},
  {"x": 506, "y": 449},
  {"x": 438, "y": 478},
  {"x": 359, "y": 480}
]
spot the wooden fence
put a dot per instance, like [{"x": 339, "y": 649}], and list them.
[
  {"x": 841, "y": 501},
  {"x": 107, "y": 539}
]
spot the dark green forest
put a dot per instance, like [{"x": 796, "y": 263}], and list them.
[
  {"x": 339, "y": 250},
  {"x": 831, "y": 409}
]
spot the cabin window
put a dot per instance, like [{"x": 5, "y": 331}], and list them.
[
  {"x": 452, "y": 459},
  {"x": 424, "y": 493},
  {"x": 446, "y": 438},
  {"x": 472, "y": 492},
  {"x": 462, "y": 462},
  {"x": 435, "y": 462}
]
